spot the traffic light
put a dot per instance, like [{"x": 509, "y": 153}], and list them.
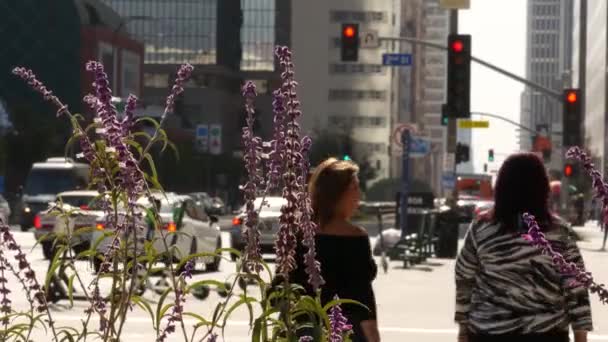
[
  {"x": 491, "y": 155},
  {"x": 346, "y": 157},
  {"x": 445, "y": 118},
  {"x": 572, "y": 119},
  {"x": 569, "y": 170},
  {"x": 462, "y": 153},
  {"x": 459, "y": 76},
  {"x": 350, "y": 42}
]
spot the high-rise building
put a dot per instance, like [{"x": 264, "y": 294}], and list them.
[
  {"x": 595, "y": 118},
  {"x": 353, "y": 96},
  {"x": 437, "y": 26},
  {"x": 548, "y": 62},
  {"x": 228, "y": 42}
]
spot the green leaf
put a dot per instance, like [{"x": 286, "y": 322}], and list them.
[
  {"x": 201, "y": 319},
  {"x": 54, "y": 265},
  {"x": 70, "y": 142},
  {"x": 142, "y": 303},
  {"x": 244, "y": 300},
  {"x": 148, "y": 157},
  {"x": 149, "y": 120},
  {"x": 161, "y": 300},
  {"x": 71, "y": 289},
  {"x": 342, "y": 301},
  {"x": 209, "y": 282},
  {"x": 184, "y": 260},
  {"x": 175, "y": 150}
]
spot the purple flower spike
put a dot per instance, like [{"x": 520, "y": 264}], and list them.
[
  {"x": 307, "y": 225},
  {"x": 306, "y": 339},
  {"x": 129, "y": 117},
  {"x": 338, "y": 323},
  {"x": 188, "y": 268},
  {"x": 28, "y": 76},
  {"x": 183, "y": 74},
  {"x": 292, "y": 160},
  {"x": 253, "y": 164},
  {"x": 600, "y": 187},
  {"x": 580, "y": 276}
]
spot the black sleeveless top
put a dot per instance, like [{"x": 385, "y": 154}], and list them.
[{"x": 348, "y": 269}]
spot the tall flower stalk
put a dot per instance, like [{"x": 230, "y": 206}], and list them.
[
  {"x": 338, "y": 324},
  {"x": 253, "y": 164},
  {"x": 288, "y": 225},
  {"x": 599, "y": 186},
  {"x": 570, "y": 269}
]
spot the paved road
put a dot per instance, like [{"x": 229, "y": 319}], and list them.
[{"x": 414, "y": 304}]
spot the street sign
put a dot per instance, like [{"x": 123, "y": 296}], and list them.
[
  {"x": 473, "y": 124},
  {"x": 448, "y": 180},
  {"x": 449, "y": 161},
  {"x": 369, "y": 39},
  {"x": 455, "y": 4},
  {"x": 215, "y": 139},
  {"x": 419, "y": 147},
  {"x": 202, "y": 138},
  {"x": 397, "y": 59},
  {"x": 398, "y": 131}
]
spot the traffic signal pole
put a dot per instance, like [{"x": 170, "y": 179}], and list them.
[{"x": 452, "y": 121}]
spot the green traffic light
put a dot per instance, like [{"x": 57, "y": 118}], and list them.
[
  {"x": 444, "y": 120},
  {"x": 347, "y": 158}
]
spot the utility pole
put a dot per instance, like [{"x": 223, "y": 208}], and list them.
[{"x": 453, "y": 122}]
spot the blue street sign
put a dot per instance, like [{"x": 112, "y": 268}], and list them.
[
  {"x": 419, "y": 147},
  {"x": 397, "y": 59},
  {"x": 405, "y": 178},
  {"x": 202, "y": 131},
  {"x": 448, "y": 180}
]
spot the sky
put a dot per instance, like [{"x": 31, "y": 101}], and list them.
[{"x": 498, "y": 30}]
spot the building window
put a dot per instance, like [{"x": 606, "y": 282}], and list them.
[
  {"x": 130, "y": 73},
  {"x": 351, "y": 68},
  {"x": 173, "y": 32},
  {"x": 358, "y": 121},
  {"x": 156, "y": 80},
  {"x": 353, "y": 94},
  {"x": 108, "y": 59},
  {"x": 258, "y": 34},
  {"x": 361, "y": 16}
]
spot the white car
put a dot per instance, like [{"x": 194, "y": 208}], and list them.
[
  {"x": 268, "y": 227},
  {"x": 5, "y": 210},
  {"x": 84, "y": 211},
  {"x": 193, "y": 232}
]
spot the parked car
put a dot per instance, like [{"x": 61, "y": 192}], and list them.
[
  {"x": 84, "y": 212},
  {"x": 47, "y": 179},
  {"x": 216, "y": 207},
  {"x": 5, "y": 210},
  {"x": 268, "y": 226},
  {"x": 179, "y": 214}
]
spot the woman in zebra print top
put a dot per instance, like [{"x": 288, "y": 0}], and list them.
[{"x": 506, "y": 290}]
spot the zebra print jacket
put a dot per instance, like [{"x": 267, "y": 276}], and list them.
[{"x": 505, "y": 285}]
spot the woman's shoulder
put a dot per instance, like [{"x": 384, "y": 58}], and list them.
[{"x": 345, "y": 230}]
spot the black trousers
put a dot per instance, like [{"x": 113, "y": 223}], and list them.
[{"x": 554, "y": 336}]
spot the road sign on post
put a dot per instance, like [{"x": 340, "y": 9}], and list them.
[
  {"x": 369, "y": 39},
  {"x": 202, "y": 138},
  {"x": 215, "y": 139},
  {"x": 397, "y": 59},
  {"x": 473, "y": 124},
  {"x": 405, "y": 178},
  {"x": 455, "y": 4}
]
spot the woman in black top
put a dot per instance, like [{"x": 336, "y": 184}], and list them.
[{"x": 343, "y": 249}]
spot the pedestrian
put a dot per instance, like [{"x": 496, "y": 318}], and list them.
[
  {"x": 506, "y": 289},
  {"x": 343, "y": 249}
]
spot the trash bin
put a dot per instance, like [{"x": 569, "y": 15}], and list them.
[{"x": 447, "y": 233}]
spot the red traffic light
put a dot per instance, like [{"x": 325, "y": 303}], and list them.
[
  {"x": 568, "y": 170},
  {"x": 349, "y": 32},
  {"x": 571, "y": 97},
  {"x": 457, "y": 46}
]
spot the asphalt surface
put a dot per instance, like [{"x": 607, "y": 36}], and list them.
[{"x": 414, "y": 304}]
